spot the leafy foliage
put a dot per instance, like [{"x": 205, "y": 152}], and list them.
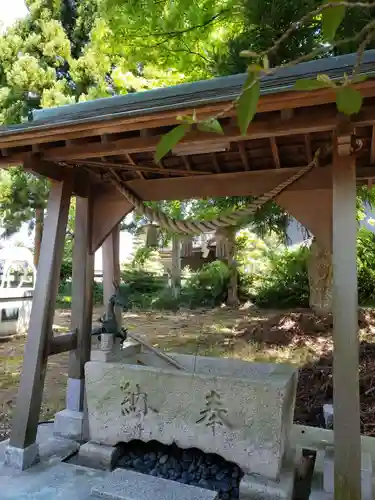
[
  {"x": 285, "y": 283},
  {"x": 21, "y": 193},
  {"x": 366, "y": 266},
  {"x": 207, "y": 287}
]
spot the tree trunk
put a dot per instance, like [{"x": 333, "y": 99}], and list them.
[
  {"x": 226, "y": 244},
  {"x": 176, "y": 266},
  {"x": 39, "y": 222},
  {"x": 320, "y": 279}
]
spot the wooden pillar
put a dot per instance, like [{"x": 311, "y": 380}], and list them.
[
  {"x": 69, "y": 422},
  {"x": 111, "y": 263},
  {"x": 176, "y": 265},
  {"x": 347, "y": 445},
  {"x": 22, "y": 451}
]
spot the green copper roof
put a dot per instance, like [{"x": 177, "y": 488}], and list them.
[{"x": 189, "y": 95}]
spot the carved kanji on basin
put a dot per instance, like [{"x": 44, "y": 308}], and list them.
[{"x": 213, "y": 414}]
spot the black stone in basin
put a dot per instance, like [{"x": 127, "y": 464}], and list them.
[{"x": 191, "y": 466}]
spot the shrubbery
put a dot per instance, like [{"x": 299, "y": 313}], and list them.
[
  {"x": 366, "y": 267},
  {"x": 271, "y": 278},
  {"x": 285, "y": 282},
  {"x": 207, "y": 287}
]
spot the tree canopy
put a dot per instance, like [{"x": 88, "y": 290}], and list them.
[{"x": 65, "y": 52}]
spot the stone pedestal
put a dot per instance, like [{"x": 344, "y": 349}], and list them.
[
  {"x": 69, "y": 424},
  {"x": 323, "y": 483},
  {"x": 98, "y": 456},
  {"x": 128, "y": 349},
  {"x": 21, "y": 458},
  {"x": 255, "y": 487}
]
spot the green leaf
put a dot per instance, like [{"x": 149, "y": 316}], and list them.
[
  {"x": 169, "y": 140},
  {"x": 326, "y": 79},
  {"x": 185, "y": 119},
  {"x": 211, "y": 126},
  {"x": 332, "y": 17},
  {"x": 348, "y": 100},
  {"x": 310, "y": 84},
  {"x": 248, "y": 102}
]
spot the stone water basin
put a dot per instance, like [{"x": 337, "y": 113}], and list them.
[
  {"x": 14, "y": 314},
  {"x": 238, "y": 410}
]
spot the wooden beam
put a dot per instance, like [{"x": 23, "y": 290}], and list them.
[
  {"x": 29, "y": 399},
  {"x": 313, "y": 209},
  {"x": 109, "y": 208},
  {"x": 244, "y": 157},
  {"x": 63, "y": 343},
  {"x": 347, "y": 444},
  {"x": 59, "y": 173},
  {"x": 253, "y": 183},
  {"x": 275, "y": 152}
]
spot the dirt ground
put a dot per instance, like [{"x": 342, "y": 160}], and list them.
[{"x": 296, "y": 337}]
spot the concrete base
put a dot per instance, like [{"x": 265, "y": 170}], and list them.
[
  {"x": 69, "y": 424},
  {"x": 74, "y": 393},
  {"x": 49, "y": 478},
  {"x": 366, "y": 474},
  {"x": 98, "y": 456},
  {"x": 21, "y": 458},
  {"x": 328, "y": 415},
  {"x": 123, "y": 485},
  {"x": 323, "y": 480},
  {"x": 252, "y": 487},
  {"x": 129, "y": 349}
]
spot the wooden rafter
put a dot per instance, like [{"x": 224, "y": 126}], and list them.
[
  {"x": 130, "y": 160},
  {"x": 215, "y": 162},
  {"x": 186, "y": 162},
  {"x": 314, "y": 121},
  {"x": 143, "y": 168},
  {"x": 372, "y": 151},
  {"x": 286, "y": 114},
  {"x": 275, "y": 152},
  {"x": 308, "y": 151},
  {"x": 243, "y": 154}
]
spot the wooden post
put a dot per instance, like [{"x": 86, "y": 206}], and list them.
[
  {"x": 111, "y": 263},
  {"x": 347, "y": 445},
  {"x": 69, "y": 422},
  {"x": 176, "y": 265},
  {"x": 111, "y": 274},
  {"x": 22, "y": 450}
]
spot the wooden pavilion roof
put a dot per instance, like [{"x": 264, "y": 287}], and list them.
[{"x": 122, "y": 132}]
